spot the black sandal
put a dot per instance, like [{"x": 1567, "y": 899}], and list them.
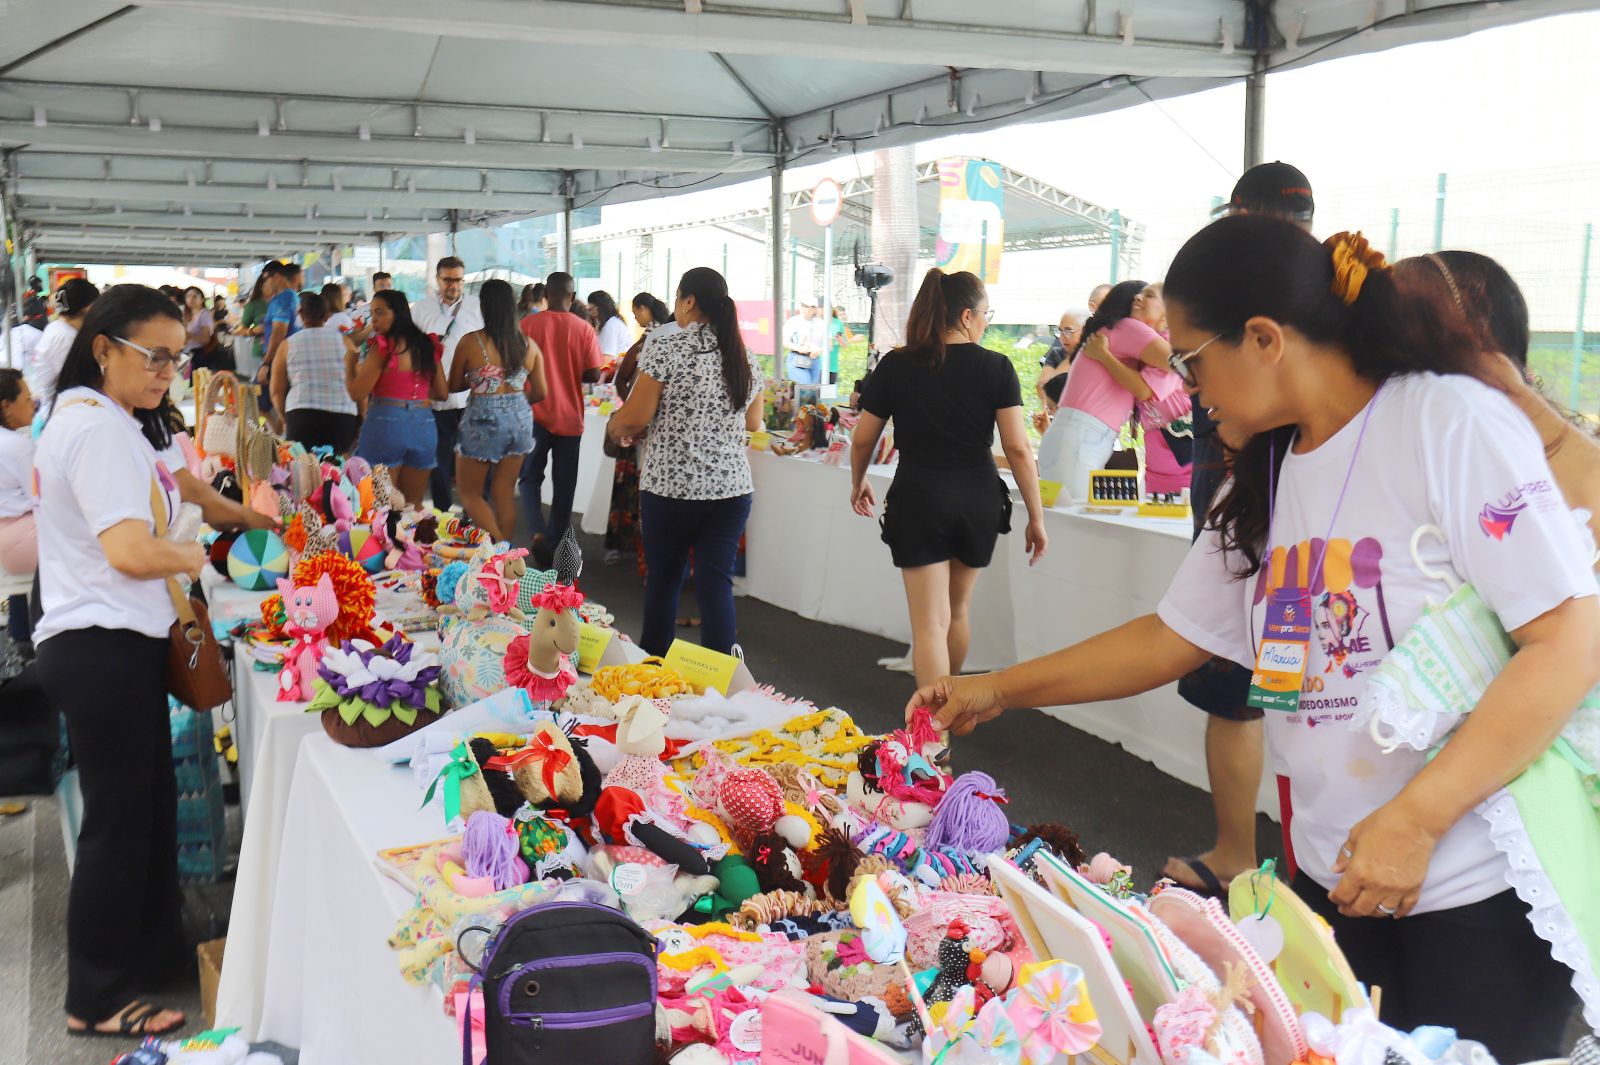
[
  {"x": 1211, "y": 886},
  {"x": 132, "y": 1023}
]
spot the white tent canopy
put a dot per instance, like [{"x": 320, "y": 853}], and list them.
[{"x": 214, "y": 131}]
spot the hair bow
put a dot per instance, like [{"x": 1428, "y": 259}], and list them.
[{"x": 460, "y": 767}]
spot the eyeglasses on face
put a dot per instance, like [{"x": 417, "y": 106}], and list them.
[
  {"x": 1179, "y": 361},
  {"x": 157, "y": 360}
]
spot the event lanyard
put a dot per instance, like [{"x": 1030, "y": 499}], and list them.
[
  {"x": 1285, "y": 647},
  {"x": 1272, "y": 503}
]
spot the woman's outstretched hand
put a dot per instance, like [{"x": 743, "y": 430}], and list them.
[{"x": 959, "y": 704}]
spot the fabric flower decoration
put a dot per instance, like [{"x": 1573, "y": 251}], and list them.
[
  {"x": 965, "y": 1036},
  {"x": 1052, "y": 1012},
  {"x": 361, "y": 680}
]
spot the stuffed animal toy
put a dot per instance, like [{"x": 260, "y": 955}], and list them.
[
  {"x": 538, "y": 662},
  {"x": 955, "y": 956},
  {"x": 499, "y": 578},
  {"x": 308, "y": 611},
  {"x": 546, "y": 770}
]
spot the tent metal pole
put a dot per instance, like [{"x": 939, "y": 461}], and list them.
[
  {"x": 1255, "y": 112},
  {"x": 10, "y": 272},
  {"x": 777, "y": 256},
  {"x": 566, "y": 220}
]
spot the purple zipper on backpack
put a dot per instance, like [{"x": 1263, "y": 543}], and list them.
[{"x": 575, "y": 961}]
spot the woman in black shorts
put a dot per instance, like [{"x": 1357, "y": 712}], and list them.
[{"x": 946, "y": 393}]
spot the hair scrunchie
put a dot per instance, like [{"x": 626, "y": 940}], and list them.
[{"x": 1353, "y": 260}]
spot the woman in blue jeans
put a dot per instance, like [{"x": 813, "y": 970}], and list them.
[{"x": 696, "y": 393}]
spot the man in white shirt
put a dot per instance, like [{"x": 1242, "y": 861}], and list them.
[
  {"x": 450, "y": 314},
  {"x": 800, "y": 342}
]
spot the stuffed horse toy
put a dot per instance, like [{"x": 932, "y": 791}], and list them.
[
  {"x": 500, "y": 578},
  {"x": 308, "y": 611},
  {"x": 538, "y": 662}
]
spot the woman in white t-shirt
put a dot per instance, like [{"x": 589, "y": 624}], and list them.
[
  {"x": 1366, "y": 395},
  {"x": 102, "y": 646},
  {"x": 615, "y": 336},
  {"x": 19, "y": 539},
  {"x": 73, "y": 300}
]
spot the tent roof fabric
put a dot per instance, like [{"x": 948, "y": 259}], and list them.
[{"x": 224, "y": 130}]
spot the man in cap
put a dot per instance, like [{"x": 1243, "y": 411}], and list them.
[{"x": 1235, "y": 745}]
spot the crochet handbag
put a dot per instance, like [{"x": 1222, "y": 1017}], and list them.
[
  {"x": 219, "y": 416},
  {"x": 258, "y": 448}
]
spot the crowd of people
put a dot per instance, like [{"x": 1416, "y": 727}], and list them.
[{"x": 1315, "y": 404}]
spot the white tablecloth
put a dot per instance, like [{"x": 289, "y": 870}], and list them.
[
  {"x": 332, "y": 986},
  {"x": 269, "y": 734},
  {"x": 809, "y": 553}
]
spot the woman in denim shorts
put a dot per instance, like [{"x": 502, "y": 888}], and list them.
[
  {"x": 504, "y": 372},
  {"x": 402, "y": 373}
]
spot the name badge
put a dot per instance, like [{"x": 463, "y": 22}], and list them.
[{"x": 1285, "y": 645}]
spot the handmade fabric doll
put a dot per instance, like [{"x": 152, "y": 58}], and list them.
[
  {"x": 538, "y": 662},
  {"x": 308, "y": 611},
  {"x": 500, "y": 578}
]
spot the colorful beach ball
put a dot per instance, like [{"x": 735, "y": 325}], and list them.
[
  {"x": 358, "y": 544},
  {"x": 257, "y": 560}
]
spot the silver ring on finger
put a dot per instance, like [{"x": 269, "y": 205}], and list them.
[
  {"x": 1347, "y": 852},
  {"x": 1388, "y": 911}
]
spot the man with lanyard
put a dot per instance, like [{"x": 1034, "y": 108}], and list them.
[
  {"x": 281, "y": 322},
  {"x": 449, "y": 314},
  {"x": 1235, "y": 743}
]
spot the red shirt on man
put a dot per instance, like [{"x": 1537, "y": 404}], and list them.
[{"x": 570, "y": 348}]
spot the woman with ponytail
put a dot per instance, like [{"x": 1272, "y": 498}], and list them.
[
  {"x": 1356, "y": 409},
  {"x": 947, "y": 505},
  {"x": 698, "y": 393}
]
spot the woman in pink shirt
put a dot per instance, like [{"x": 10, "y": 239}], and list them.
[
  {"x": 1164, "y": 407},
  {"x": 1094, "y": 406},
  {"x": 401, "y": 374}
]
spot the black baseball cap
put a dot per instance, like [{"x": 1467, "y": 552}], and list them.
[{"x": 1276, "y": 187}]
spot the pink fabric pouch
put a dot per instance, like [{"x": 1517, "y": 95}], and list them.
[
  {"x": 794, "y": 1032},
  {"x": 1204, "y": 928}
]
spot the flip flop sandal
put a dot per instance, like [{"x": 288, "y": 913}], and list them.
[
  {"x": 131, "y": 1024},
  {"x": 1211, "y": 887},
  {"x": 688, "y": 623}
]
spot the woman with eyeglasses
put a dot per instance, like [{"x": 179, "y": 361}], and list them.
[
  {"x": 947, "y": 506},
  {"x": 105, "y": 500},
  {"x": 1359, "y": 408},
  {"x": 1093, "y": 406}
]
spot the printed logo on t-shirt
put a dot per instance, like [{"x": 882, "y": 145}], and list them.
[
  {"x": 1348, "y": 616},
  {"x": 1497, "y": 519}
]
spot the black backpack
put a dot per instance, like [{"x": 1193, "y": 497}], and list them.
[{"x": 568, "y": 982}]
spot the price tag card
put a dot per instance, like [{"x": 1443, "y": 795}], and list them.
[
  {"x": 701, "y": 667},
  {"x": 761, "y": 440},
  {"x": 592, "y": 642},
  {"x": 1049, "y": 492}
]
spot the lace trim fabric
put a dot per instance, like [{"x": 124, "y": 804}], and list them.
[{"x": 1550, "y": 920}]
